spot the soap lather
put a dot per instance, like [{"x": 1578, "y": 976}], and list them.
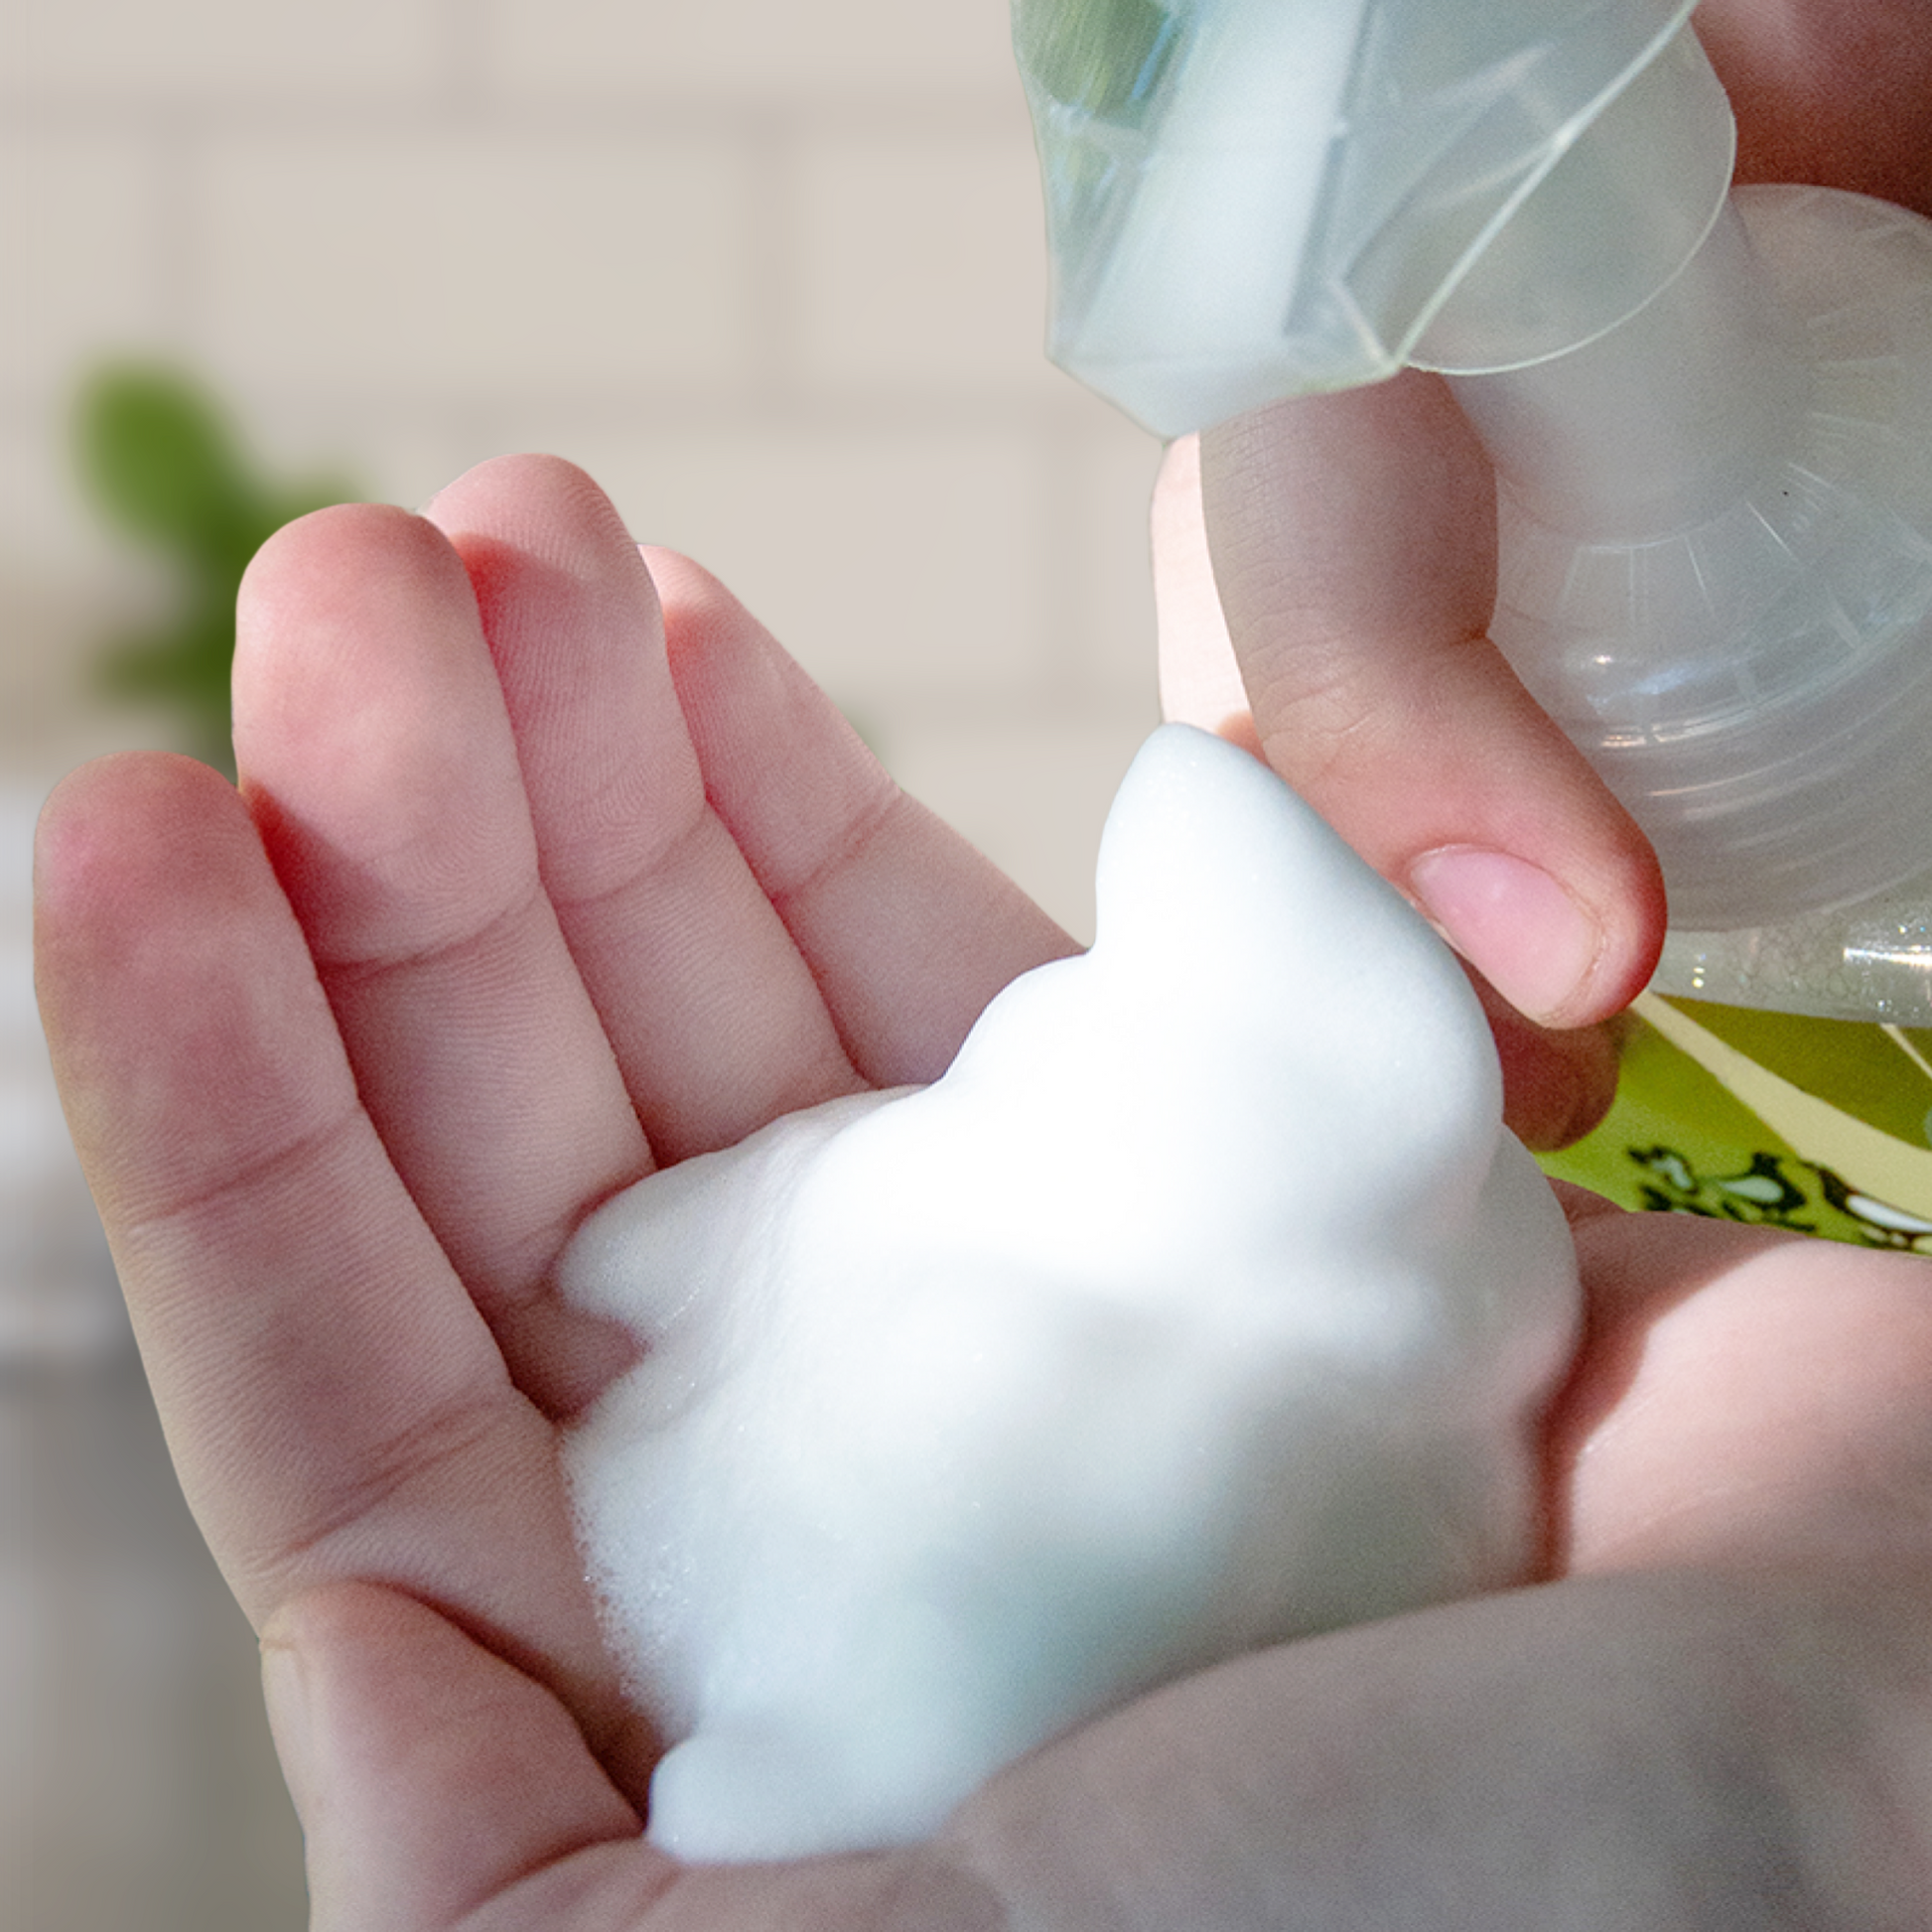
[{"x": 1203, "y": 1302}]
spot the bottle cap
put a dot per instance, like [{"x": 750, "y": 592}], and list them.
[{"x": 1248, "y": 200}]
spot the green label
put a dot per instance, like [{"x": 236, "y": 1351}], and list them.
[{"x": 1823, "y": 1126}]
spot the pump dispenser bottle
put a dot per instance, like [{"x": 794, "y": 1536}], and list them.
[{"x": 1711, "y": 417}]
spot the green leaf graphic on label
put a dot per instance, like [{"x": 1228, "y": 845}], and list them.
[{"x": 1704, "y": 1126}]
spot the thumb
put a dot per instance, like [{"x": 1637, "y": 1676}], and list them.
[
  {"x": 1353, "y": 550},
  {"x": 440, "y": 1787},
  {"x": 433, "y": 1781}
]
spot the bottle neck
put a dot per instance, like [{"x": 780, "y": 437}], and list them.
[
  {"x": 1664, "y": 421},
  {"x": 1627, "y": 200},
  {"x": 1715, "y": 557}
]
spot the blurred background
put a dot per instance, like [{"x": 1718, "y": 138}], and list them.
[{"x": 773, "y": 273}]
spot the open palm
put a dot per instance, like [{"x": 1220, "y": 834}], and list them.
[
  {"x": 528, "y": 888},
  {"x": 504, "y": 919}
]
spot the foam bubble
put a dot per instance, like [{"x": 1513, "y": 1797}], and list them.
[{"x": 1203, "y": 1302}]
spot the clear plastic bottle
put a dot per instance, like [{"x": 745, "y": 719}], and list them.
[{"x": 1710, "y": 415}]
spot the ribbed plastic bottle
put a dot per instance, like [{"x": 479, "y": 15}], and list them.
[{"x": 1711, "y": 417}]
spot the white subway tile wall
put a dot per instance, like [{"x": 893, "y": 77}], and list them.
[
  {"x": 899, "y": 52},
  {"x": 204, "y": 52},
  {"x": 774, "y": 274}
]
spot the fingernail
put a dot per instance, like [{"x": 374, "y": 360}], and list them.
[{"x": 1513, "y": 922}]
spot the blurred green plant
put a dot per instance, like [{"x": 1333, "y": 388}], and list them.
[{"x": 160, "y": 458}]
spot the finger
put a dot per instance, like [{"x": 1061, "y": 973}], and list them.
[
  {"x": 1833, "y": 92},
  {"x": 378, "y": 761},
  {"x": 1354, "y": 548},
  {"x": 334, "y": 1403},
  {"x": 435, "y": 1782},
  {"x": 1200, "y": 676},
  {"x": 714, "y": 1018},
  {"x": 907, "y": 929},
  {"x": 437, "y": 1787},
  {"x": 1557, "y": 1084}
]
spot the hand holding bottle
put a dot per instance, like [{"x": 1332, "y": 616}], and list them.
[{"x": 1354, "y": 541}]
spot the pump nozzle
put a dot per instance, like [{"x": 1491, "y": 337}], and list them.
[
  {"x": 1246, "y": 202},
  {"x": 1711, "y": 419}
]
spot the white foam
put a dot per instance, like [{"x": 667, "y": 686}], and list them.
[{"x": 1203, "y": 1302}]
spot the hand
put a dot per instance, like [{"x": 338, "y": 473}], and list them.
[
  {"x": 526, "y": 889},
  {"x": 1354, "y": 546}
]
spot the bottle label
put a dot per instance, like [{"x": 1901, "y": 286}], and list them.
[{"x": 1821, "y": 1126}]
